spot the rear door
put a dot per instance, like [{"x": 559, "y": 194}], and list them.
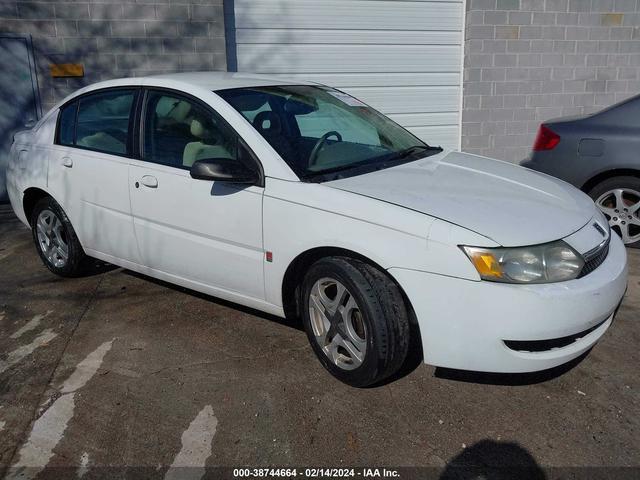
[
  {"x": 88, "y": 170},
  {"x": 208, "y": 233}
]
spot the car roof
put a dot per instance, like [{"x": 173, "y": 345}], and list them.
[
  {"x": 226, "y": 80},
  {"x": 211, "y": 81}
]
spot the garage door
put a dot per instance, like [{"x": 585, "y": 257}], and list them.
[{"x": 404, "y": 58}]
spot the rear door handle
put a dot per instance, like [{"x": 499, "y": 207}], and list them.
[
  {"x": 149, "y": 181},
  {"x": 67, "y": 162}
]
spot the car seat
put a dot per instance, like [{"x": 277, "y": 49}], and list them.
[
  {"x": 269, "y": 125},
  {"x": 209, "y": 144},
  {"x": 103, "y": 141}
]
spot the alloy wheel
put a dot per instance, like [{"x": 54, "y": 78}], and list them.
[
  {"x": 621, "y": 206},
  {"x": 337, "y": 323},
  {"x": 52, "y": 238}
]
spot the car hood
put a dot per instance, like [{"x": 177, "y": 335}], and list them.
[{"x": 511, "y": 205}]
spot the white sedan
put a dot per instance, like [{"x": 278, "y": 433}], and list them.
[{"x": 297, "y": 199}]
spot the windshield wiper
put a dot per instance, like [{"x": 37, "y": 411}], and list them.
[
  {"x": 371, "y": 164},
  {"x": 402, "y": 156},
  {"x": 319, "y": 173},
  {"x": 415, "y": 149}
]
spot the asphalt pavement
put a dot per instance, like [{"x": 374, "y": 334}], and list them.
[{"x": 116, "y": 375}]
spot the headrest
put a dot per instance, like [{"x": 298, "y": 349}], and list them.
[
  {"x": 173, "y": 109},
  {"x": 198, "y": 130},
  {"x": 274, "y": 125},
  {"x": 179, "y": 111}
]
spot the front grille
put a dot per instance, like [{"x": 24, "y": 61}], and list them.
[{"x": 594, "y": 258}]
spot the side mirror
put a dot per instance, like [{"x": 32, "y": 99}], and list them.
[{"x": 224, "y": 170}]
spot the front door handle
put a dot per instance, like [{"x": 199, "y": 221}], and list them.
[
  {"x": 149, "y": 181},
  {"x": 67, "y": 162}
]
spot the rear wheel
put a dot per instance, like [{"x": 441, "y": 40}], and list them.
[
  {"x": 55, "y": 239},
  {"x": 356, "y": 320},
  {"x": 619, "y": 199}
]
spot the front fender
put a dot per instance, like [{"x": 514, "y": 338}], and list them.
[{"x": 299, "y": 217}]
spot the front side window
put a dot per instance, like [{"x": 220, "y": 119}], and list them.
[
  {"x": 324, "y": 134},
  {"x": 179, "y": 131},
  {"x": 103, "y": 121}
]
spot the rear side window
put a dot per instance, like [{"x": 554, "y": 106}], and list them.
[
  {"x": 100, "y": 121},
  {"x": 67, "y": 124}
]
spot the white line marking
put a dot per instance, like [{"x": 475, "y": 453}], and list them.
[
  {"x": 49, "y": 429},
  {"x": 30, "y": 325},
  {"x": 25, "y": 350},
  {"x": 196, "y": 447},
  {"x": 45, "y": 435},
  {"x": 86, "y": 369},
  {"x": 2, "y": 424},
  {"x": 84, "y": 465}
]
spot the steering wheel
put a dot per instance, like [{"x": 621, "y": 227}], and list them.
[{"x": 320, "y": 143}]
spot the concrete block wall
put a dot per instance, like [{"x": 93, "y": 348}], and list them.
[
  {"x": 527, "y": 61},
  {"x": 117, "y": 38}
]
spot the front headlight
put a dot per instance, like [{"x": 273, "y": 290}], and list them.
[{"x": 550, "y": 262}]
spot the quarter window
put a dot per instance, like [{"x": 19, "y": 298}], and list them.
[{"x": 67, "y": 124}]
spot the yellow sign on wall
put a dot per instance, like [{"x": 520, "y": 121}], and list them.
[{"x": 60, "y": 70}]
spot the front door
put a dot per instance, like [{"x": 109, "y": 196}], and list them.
[{"x": 209, "y": 233}]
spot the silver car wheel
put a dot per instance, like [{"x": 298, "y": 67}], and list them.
[
  {"x": 621, "y": 206},
  {"x": 52, "y": 238},
  {"x": 337, "y": 323}
]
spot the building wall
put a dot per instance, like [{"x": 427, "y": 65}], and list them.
[
  {"x": 402, "y": 57},
  {"x": 117, "y": 38},
  {"x": 527, "y": 61}
]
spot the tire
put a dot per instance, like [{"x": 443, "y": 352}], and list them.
[
  {"x": 370, "y": 314},
  {"x": 62, "y": 237},
  {"x": 624, "y": 223}
]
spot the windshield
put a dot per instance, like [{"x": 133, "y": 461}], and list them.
[{"x": 324, "y": 134}]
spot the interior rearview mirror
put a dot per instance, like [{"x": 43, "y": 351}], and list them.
[{"x": 223, "y": 170}]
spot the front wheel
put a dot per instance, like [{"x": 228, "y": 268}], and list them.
[
  {"x": 356, "y": 320},
  {"x": 619, "y": 199},
  {"x": 55, "y": 239}
]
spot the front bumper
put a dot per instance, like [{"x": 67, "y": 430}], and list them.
[{"x": 464, "y": 324}]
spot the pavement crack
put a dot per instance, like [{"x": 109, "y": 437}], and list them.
[
  {"x": 222, "y": 360},
  {"x": 402, "y": 416},
  {"x": 38, "y": 410}
]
